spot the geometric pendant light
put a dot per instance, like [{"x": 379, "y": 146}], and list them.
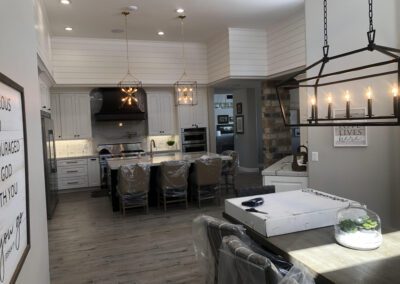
[
  {"x": 129, "y": 84},
  {"x": 185, "y": 90}
]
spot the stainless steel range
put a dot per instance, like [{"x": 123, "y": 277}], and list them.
[{"x": 107, "y": 151}]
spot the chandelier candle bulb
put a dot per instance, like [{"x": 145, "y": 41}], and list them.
[
  {"x": 395, "y": 92},
  {"x": 329, "y": 107},
  {"x": 313, "y": 109},
  {"x": 369, "y": 96},
  {"x": 347, "y": 104}
]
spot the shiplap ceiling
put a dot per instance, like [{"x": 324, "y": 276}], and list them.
[{"x": 205, "y": 18}]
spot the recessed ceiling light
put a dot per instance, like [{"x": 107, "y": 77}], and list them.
[
  {"x": 65, "y": 2},
  {"x": 68, "y": 29},
  {"x": 180, "y": 10},
  {"x": 161, "y": 33},
  {"x": 133, "y": 8}
]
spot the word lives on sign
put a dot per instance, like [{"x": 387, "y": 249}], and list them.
[
  {"x": 350, "y": 136},
  {"x": 14, "y": 237}
]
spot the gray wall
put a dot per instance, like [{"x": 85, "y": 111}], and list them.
[
  {"x": 18, "y": 61},
  {"x": 369, "y": 174},
  {"x": 247, "y": 144}
]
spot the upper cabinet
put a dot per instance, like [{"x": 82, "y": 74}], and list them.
[
  {"x": 71, "y": 115},
  {"x": 194, "y": 116},
  {"x": 161, "y": 113},
  {"x": 44, "y": 96}
]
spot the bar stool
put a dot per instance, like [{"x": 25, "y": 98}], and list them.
[
  {"x": 206, "y": 179},
  {"x": 173, "y": 183},
  {"x": 229, "y": 169},
  {"x": 133, "y": 186}
]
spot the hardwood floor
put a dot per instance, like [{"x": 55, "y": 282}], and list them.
[{"x": 90, "y": 244}]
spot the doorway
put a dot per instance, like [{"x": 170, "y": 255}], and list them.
[{"x": 224, "y": 126}]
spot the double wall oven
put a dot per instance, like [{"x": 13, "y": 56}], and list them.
[{"x": 194, "y": 139}]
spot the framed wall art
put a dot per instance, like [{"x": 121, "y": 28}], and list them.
[
  {"x": 239, "y": 124},
  {"x": 14, "y": 198},
  {"x": 350, "y": 136},
  {"x": 223, "y": 119},
  {"x": 239, "y": 109}
]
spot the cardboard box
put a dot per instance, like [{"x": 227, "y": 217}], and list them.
[{"x": 289, "y": 212}]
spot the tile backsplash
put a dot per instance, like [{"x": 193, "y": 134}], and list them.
[{"x": 66, "y": 148}]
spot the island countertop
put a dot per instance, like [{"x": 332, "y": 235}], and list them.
[
  {"x": 157, "y": 159},
  {"x": 283, "y": 168}
]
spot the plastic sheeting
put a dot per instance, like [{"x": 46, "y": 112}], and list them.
[
  {"x": 134, "y": 184},
  {"x": 207, "y": 171},
  {"x": 174, "y": 178},
  {"x": 238, "y": 264},
  {"x": 207, "y": 235},
  {"x": 229, "y": 167}
]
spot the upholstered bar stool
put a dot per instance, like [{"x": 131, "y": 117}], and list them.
[
  {"x": 229, "y": 169},
  {"x": 173, "y": 183},
  {"x": 206, "y": 179},
  {"x": 133, "y": 186}
]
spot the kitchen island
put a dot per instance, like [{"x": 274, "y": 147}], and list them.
[
  {"x": 283, "y": 177},
  {"x": 154, "y": 161}
]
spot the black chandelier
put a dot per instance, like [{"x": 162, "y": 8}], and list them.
[{"x": 322, "y": 79}]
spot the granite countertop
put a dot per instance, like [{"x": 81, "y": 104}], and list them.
[
  {"x": 283, "y": 168},
  {"x": 116, "y": 163},
  {"x": 78, "y": 156}
]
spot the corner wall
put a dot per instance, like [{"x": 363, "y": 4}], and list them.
[
  {"x": 18, "y": 61},
  {"x": 366, "y": 174}
]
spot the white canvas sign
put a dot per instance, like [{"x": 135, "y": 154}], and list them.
[
  {"x": 350, "y": 136},
  {"x": 14, "y": 225}
]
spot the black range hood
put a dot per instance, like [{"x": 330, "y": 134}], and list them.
[{"x": 114, "y": 109}]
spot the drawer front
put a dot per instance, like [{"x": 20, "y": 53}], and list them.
[
  {"x": 74, "y": 171},
  {"x": 76, "y": 182},
  {"x": 71, "y": 162}
]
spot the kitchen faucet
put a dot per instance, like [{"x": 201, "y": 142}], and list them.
[{"x": 152, "y": 144}]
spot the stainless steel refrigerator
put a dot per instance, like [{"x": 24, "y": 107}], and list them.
[{"x": 50, "y": 163}]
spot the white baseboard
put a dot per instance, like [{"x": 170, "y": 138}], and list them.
[{"x": 248, "y": 170}]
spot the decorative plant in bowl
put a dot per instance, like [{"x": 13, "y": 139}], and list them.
[
  {"x": 170, "y": 143},
  {"x": 358, "y": 228}
]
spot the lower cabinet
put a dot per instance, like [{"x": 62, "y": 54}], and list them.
[
  {"x": 78, "y": 173},
  {"x": 286, "y": 183}
]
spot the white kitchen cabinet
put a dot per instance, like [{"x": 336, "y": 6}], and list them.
[
  {"x": 72, "y": 113},
  {"x": 194, "y": 116},
  {"x": 78, "y": 173},
  {"x": 93, "y": 172},
  {"x": 44, "y": 96},
  {"x": 161, "y": 113},
  {"x": 55, "y": 115}
]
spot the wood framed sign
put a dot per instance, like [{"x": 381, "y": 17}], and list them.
[{"x": 14, "y": 199}]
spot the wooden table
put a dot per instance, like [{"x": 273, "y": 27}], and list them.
[{"x": 331, "y": 263}]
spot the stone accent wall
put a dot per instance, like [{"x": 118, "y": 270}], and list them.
[{"x": 276, "y": 137}]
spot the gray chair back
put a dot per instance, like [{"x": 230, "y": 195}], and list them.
[
  {"x": 174, "y": 175},
  {"x": 239, "y": 264},
  {"x": 134, "y": 179},
  {"x": 230, "y": 167},
  {"x": 208, "y": 171}
]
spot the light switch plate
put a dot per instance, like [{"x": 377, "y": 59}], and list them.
[{"x": 314, "y": 156}]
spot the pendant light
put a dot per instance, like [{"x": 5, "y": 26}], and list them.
[
  {"x": 185, "y": 90},
  {"x": 129, "y": 84},
  {"x": 323, "y": 79}
]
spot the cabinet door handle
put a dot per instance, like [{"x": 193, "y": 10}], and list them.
[
  {"x": 93, "y": 159},
  {"x": 72, "y": 162},
  {"x": 72, "y": 171},
  {"x": 43, "y": 106},
  {"x": 73, "y": 182}
]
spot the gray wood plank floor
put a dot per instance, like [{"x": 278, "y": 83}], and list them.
[{"x": 90, "y": 244}]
